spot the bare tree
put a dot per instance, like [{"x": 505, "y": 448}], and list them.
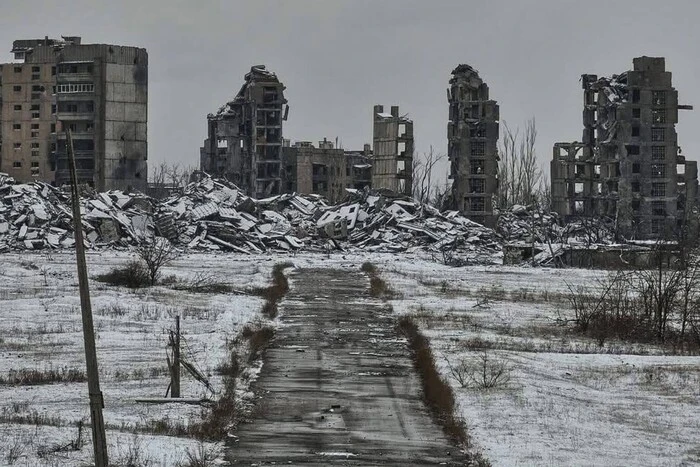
[
  {"x": 167, "y": 178},
  {"x": 423, "y": 188},
  {"x": 155, "y": 254},
  {"x": 518, "y": 173}
]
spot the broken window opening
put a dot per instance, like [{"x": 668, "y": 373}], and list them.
[
  {"x": 658, "y": 98},
  {"x": 658, "y": 134},
  {"x": 658, "y": 153},
  {"x": 578, "y": 188},
  {"x": 658, "y": 189},
  {"x": 477, "y": 204},
  {"x": 658, "y": 116},
  {"x": 478, "y": 148},
  {"x": 658, "y": 171},
  {"x": 476, "y": 166},
  {"x": 635, "y": 130},
  {"x": 477, "y": 185},
  {"x": 578, "y": 207},
  {"x": 680, "y": 169},
  {"x": 635, "y": 95},
  {"x": 658, "y": 208},
  {"x": 632, "y": 150}
]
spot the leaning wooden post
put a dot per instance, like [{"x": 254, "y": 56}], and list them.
[
  {"x": 175, "y": 379},
  {"x": 99, "y": 439}
]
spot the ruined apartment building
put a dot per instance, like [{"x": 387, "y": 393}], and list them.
[
  {"x": 244, "y": 138},
  {"x": 392, "y": 161},
  {"x": 629, "y": 167},
  {"x": 325, "y": 170},
  {"x": 472, "y": 134},
  {"x": 99, "y": 91}
]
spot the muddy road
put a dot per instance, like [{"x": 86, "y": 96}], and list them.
[{"x": 338, "y": 383}]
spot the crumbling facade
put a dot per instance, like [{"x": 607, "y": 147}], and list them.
[
  {"x": 99, "y": 91},
  {"x": 393, "y": 151},
  {"x": 324, "y": 170},
  {"x": 628, "y": 168},
  {"x": 244, "y": 138},
  {"x": 472, "y": 134}
]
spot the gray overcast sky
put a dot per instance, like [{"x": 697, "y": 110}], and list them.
[{"x": 338, "y": 58}]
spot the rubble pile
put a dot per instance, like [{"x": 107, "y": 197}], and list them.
[
  {"x": 37, "y": 215},
  {"x": 216, "y": 215},
  {"x": 529, "y": 225},
  {"x": 213, "y": 214}
]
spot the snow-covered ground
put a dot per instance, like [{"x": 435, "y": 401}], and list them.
[
  {"x": 568, "y": 401},
  {"x": 40, "y": 329}
]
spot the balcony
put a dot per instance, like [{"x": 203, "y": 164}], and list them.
[
  {"x": 74, "y": 77},
  {"x": 71, "y": 116}
]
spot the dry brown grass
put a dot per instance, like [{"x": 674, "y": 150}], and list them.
[{"x": 437, "y": 393}]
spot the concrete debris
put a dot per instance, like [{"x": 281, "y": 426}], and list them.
[
  {"x": 36, "y": 215},
  {"x": 525, "y": 224},
  {"x": 213, "y": 214}
]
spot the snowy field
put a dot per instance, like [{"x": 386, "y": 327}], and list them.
[
  {"x": 41, "y": 330},
  {"x": 566, "y": 401}
]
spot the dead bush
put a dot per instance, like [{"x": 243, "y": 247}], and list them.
[
  {"x": 368, "y": 268},
  {"x": 132, "y": 275},
  {"x": 200, "y": 283},
  {"x": 155, "y": 254},
  {"x": 31, "y": 377},
  {"x": 201, "y": 456},
  {"x": 488, "y": 372}
]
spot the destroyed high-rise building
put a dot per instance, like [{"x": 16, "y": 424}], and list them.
[
  {"x": 472, "y": 134},
  {"x": 244, "y": 138},
  {"x": 393, "y": 151},
  {"x": 99, "y": 91},
  {"x": 629, "y": 167}
]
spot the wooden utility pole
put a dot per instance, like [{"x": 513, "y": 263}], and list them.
[
  {"x": 99, "y": 440},
  {"x": 175, "y": 372}
]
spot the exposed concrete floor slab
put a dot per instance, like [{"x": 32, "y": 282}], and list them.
[{"x": 339, "y": 385}]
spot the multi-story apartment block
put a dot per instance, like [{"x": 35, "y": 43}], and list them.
[
  {"x": 325, "y": 170},
  {"x": 472, "y": 134},
  {"x": 99, "y": 91},
  {"x": 392, "y": 160},
  {"x": 244, "y": 138},
  {"x": 629, "y": 167}
]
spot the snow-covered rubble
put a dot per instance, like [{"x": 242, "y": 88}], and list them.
[
  {"x": 528, "y": 224},
  {"x": 213, "y": 214},
  {"x": 37, "y": 215}
]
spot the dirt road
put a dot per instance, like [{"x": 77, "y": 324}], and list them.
[{"x": 339, "y": 385}]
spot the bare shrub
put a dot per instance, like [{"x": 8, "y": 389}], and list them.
[
  {"x": 155, "y": 254},
  {"x": 488, "y": 372},
  {"x": 368, "y": 268},
  {"x": 133, "y": 455},
  {"x": 658, "y": 305},
  {"x": 201, "y": 456},
  {"x": 15, "y": 449},
  {"x": 202, "y": 283},
  {"x": 132, "y": 275},
  {"x": 31, "y": 376}
]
